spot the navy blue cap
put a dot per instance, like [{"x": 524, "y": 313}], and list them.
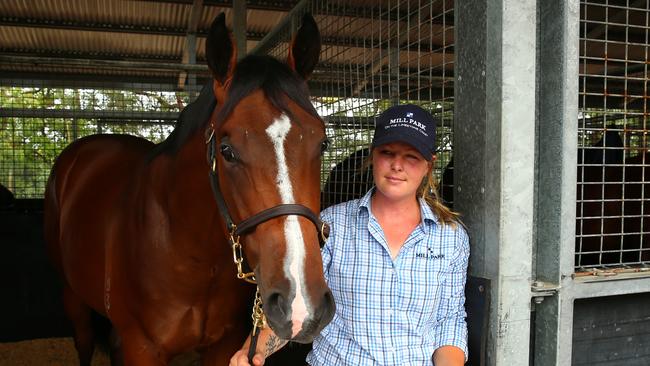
[{"x": 407, "y": 123}]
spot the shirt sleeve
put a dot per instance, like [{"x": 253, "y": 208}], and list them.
[{"x": 451, "y": 329}]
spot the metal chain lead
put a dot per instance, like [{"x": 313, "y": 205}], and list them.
[
  {"x": 238, "y": 258},
  {"x": 259, "y": 320}
]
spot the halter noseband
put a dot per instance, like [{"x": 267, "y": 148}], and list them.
[{"x": 248, "y": 225}]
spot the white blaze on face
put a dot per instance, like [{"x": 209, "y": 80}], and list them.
[{"x": 295, "y": 260}]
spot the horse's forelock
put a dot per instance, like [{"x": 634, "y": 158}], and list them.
[{"x": 276, "y": 80}]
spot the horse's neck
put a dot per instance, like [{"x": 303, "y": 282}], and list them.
[{"x": 184, "y": 188}]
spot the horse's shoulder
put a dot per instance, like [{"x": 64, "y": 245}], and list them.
[
  {"x": 128, "y": 141},
  {"x": 101, "y": 161},
  {"x": 95, "y": 147}
]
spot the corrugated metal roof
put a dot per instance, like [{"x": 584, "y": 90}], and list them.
[
  {"x": 61, "y": 41},
  {"x": 353, "y": 32},
  {"x": 356, "y": 34},
  {"x": 100, "y": 11}
]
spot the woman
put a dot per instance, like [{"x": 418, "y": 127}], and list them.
[{"x": 396, "y": 262}]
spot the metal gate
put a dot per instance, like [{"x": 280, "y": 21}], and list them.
[
  {"x": 552, "y": 175},
  {"x": 375, "y": 54}
]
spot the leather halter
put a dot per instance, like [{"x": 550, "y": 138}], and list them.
[{"x": 248, "y": 225}]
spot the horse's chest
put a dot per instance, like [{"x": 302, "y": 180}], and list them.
[
  {"x": 206, "y": 322},
  {"x": 192, "y": 302},
  {"x": 229, "y": 307}
]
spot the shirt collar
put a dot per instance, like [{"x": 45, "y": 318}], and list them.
[
  {"x": 425, "y": 210},
  {"x": 427, "y": 214},
  {"x": 365, "y": 200}
]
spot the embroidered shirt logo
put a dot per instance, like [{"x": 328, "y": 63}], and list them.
[
  {"x": 409, "y": 115},
  {"x": 429, "y": 255}
]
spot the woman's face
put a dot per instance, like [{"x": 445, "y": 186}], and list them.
[{"x": 398, "y": 170}]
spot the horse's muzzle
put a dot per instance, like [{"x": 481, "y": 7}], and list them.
[{"x": 279, "y": 316}]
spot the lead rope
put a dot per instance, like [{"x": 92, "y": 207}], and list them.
[{"x": 259, "y": 323}]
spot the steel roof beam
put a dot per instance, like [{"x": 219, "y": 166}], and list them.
[
  {"x": 189, "y": 48},
  {"x": 182, "y": 32},
  {"x": 86, "y": 114},
  {"x": 107, "y": 27},
  {"x": 285, "y": 6},
  {"x": 98, "y": 63},
  {"x": 24, "y": 79}
]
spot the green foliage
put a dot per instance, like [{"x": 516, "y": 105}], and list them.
[{"x": 29, "y": 146}]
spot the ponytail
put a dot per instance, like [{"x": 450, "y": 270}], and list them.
[{"x": 428, "y": 191}]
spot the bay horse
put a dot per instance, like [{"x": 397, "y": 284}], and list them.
[{"x": 145, "y": 234}]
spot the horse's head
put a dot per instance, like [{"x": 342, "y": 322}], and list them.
[{"x": 268, "y": 144}]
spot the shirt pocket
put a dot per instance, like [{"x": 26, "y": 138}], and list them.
[{"x": 425, "y": 291}]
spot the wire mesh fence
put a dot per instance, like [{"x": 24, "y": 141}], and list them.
[
  {"x": 375, "y": 55},
  {"x": 37, "y": 121},
  {"x": 612, "y": 222}
]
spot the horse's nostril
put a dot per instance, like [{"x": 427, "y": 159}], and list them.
[
  {"x": 327, "y": 308},
  {"x": 275, "y": 305},
  {"x": 329, "y": 298}
]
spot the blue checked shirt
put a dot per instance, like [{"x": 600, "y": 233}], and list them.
[{"x": 391, "y": 312}]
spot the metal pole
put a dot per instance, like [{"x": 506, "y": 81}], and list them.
[
  {"x": 494, "y": 159},
  {"x": 72, "y": 62},
  {"x": 86, "y": 114},
  {"x": 239, "y": 26},
  {"x": 556, "y": 193},
  {"x": 191, "y": 77},
  {"x": 286, "y": 25}
]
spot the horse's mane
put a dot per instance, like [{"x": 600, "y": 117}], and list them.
[
  {"x": 274, "y": 78},
  {"x": 192, "y": 117}
]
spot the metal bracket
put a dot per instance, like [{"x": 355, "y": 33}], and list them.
[{"x": 541, "y": 289}]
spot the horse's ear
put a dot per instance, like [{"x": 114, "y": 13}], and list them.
[
  {"x": 220, "y": 50},
  {"x": 305, "y": 47}
]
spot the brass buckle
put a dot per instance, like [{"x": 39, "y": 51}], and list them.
[
  {"x": 207, "y": 140},
  {"x": 322, "y": 232}
]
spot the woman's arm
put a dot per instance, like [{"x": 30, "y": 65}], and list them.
[
  {"x": 451, "y": 330},
  {"x": 267, "y": 344}
]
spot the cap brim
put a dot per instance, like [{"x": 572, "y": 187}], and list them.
[{"x": 390, "y": 138}]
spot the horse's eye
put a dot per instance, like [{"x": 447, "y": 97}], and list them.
[
  {"x": 324, "y": 145},
  {"x": 228, "y": 153}
]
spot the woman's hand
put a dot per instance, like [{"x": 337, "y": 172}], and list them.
[
  {"x": 267, "y": 343},
  {"x": 240, "y": 358}
]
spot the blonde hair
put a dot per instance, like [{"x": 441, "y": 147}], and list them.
[{"x": 428, "y": 191}]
